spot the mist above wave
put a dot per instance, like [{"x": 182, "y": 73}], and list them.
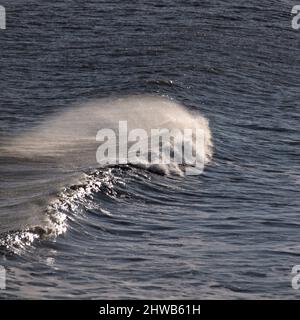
[{"x": 69, "y": 138}]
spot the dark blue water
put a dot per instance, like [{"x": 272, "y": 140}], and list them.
[{"x": 124, "y": 232}]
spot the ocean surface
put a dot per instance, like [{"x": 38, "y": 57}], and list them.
[{"x": 70, "y": 228}]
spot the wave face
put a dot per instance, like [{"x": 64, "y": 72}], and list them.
[{"x": 58, "y": 158}]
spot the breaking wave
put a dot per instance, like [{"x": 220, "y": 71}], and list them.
[{"x": 54, "y": 165}]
